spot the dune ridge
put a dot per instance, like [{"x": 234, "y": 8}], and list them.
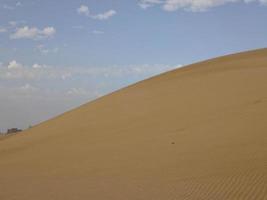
[{"x": 198, "y": 132}]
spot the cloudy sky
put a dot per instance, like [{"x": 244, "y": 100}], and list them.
[{"x": 56, "y": 55}]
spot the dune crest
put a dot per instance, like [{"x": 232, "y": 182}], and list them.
[{"x": 198, "y": 132}]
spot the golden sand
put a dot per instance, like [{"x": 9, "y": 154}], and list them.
[{"x": 198, "y": 132}]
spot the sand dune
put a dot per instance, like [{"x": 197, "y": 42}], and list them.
[{"x": 198, "y": 132}]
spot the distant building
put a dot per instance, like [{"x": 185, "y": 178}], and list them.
[{"x": 13, "y": 130}]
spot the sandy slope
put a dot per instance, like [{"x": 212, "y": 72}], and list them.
[{"x": 198, "y": 132}]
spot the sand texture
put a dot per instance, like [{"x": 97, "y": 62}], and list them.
[{"x": 198, "y": 132}]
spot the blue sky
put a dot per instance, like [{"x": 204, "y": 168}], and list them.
[{"x": 55, "y": 55}]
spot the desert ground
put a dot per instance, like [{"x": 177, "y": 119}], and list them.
[{"x": 198, "y": 132}]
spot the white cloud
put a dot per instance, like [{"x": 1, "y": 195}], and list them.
[
  {"x": 66, "y": 75},
  {"x": 83, "y": 10},
  {"x": 8, "y": 7},
  {"x": 14, "y": 65},
  {"x": 25, "y": 32},
  {"x": 77, "y": 91},
  {"x": 38, "y": 66},
  {"x": 16, "y": 71},
  {"x": 18, "y": 4},
  {"x": 191, "y": 5},
  {"x": 28, "y": 88},
  {"x": 105, "y": 15},
  {"x": 33, "y": 33},
  {"x": 97, "y": 32},
  {"x": 12, "y": 23},
  {"x": 44, "y": 50},
  {"x": 263, "y": 2},
  {"x": 48, "y": 31},
  {"x": 144, "y": 4},
  {"x": 16, "y": 23}
]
